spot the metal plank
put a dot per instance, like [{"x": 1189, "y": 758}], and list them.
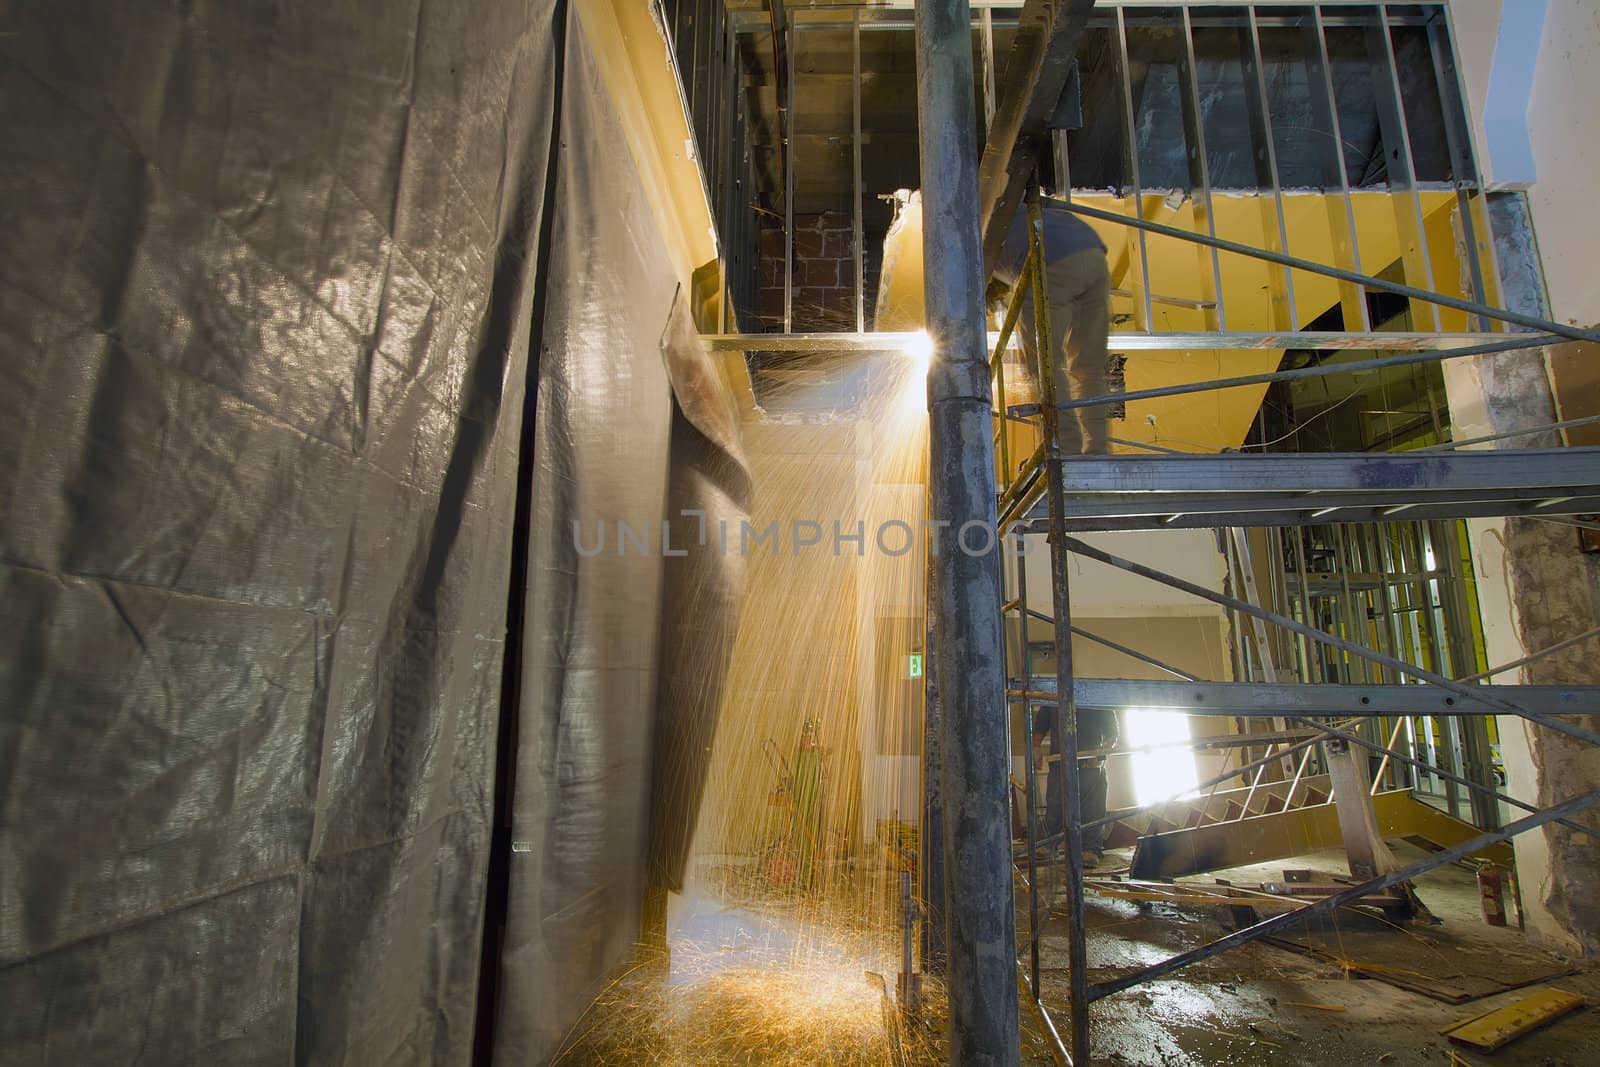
[
  {"x": 1188, "y": 515},
  {"x": 1304, "y": 473},
  {"x": 1228, "y": 699}
]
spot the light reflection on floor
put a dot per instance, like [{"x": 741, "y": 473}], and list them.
[{"x": 787, "y": 980}]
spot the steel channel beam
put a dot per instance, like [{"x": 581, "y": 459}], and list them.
[
  {"x": 1470, "y": 693},
  {"x": 1313, "y": 475},
  {"x": 1249, "y": 699},
  {"x": 1100, "y": 990},
  {"x": 976, "y": 744}
]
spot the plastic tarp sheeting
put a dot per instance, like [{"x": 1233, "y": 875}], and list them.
[
  {"x": 708, "y": 498},
  {"x": 264, "y": 313},
  {"x": 604, "y": 453}
]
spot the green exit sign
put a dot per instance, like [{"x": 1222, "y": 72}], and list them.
[{"x": 914, "y": 665}]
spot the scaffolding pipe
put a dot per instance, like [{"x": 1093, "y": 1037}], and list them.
[
  {"x": 1469, "y": 692},
  {"x": 1064, "y": 723},
  {"x": 975, "y": 753},
  {"x": 1321, "y": 370},
  {"x": 1517, "y": 318},
  {"x": 1115, "y": 647}
]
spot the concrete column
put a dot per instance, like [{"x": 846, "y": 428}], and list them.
[
  {"x": 1535, "y": 589},
  {"x": 981, "y": 928}
]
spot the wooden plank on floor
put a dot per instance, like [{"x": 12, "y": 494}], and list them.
[{"x": 1493, "y": 1029}]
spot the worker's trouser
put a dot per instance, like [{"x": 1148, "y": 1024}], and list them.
[
  {"x": 1079, "y": 288},
  {"x": 1091, "y": 795}
]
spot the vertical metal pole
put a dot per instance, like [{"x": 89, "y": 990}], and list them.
[
  {"x": 1064, "y": 725},
  {"x": 1030, "y": 773},
  {"x": 1310, "y": 655},
  {"x": 975, "y": 755},
  {"x": 1463, "y": 168},
  {"x": 1396, "y": 134},
  {"x": 1355, "y": 625},
  {"x": 1490, "y": 246},
  {"x": 931, "y": 842},
  {"x": 1346, "y": 237},
  {"x": 788, "y": 183},
  {"x": 1194, "y": 129},
  {"x": 855, "y": 146},
  {"x": 1259, "y": 95},
  {"x": 1130, "y": 149}
]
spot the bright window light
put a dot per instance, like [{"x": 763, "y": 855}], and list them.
[{"x": 1165, "y": 772}]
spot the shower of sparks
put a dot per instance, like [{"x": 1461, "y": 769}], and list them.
[{"x": 760, "y": 968}]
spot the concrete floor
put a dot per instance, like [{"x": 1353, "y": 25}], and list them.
[
  {"x": 753, "y": 978},
  {"x": 1260, "y": 1004}
]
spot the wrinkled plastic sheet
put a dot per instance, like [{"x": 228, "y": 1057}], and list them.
[
  {"x": 264, "y": 313},
  {"x": 632, "y": 425}
]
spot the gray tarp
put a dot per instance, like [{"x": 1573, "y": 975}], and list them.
[
  {"x": 264, "y": 310},
  {"x": 604, "y": 433},
  {"x": 269, "y": 281}
]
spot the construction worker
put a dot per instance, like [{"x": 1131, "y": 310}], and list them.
[
  {"x": 1078, "y": 283},
  {"x": 1097, "y": 730}
]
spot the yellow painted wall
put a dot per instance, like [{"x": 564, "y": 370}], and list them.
[{"x": 1252, "y": 294}]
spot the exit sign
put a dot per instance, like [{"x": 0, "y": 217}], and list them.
[{"x": 914, "y": 665}]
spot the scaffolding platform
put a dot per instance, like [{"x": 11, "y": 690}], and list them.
[{"x": 1127, "y": 492}]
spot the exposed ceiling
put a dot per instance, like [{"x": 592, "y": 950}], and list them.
[{"x": 1302, "y": 137}]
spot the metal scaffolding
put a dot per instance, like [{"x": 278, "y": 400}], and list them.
[
  {"x": 1407, "y": 657},
  {"x": 1122, "y": 493}
]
